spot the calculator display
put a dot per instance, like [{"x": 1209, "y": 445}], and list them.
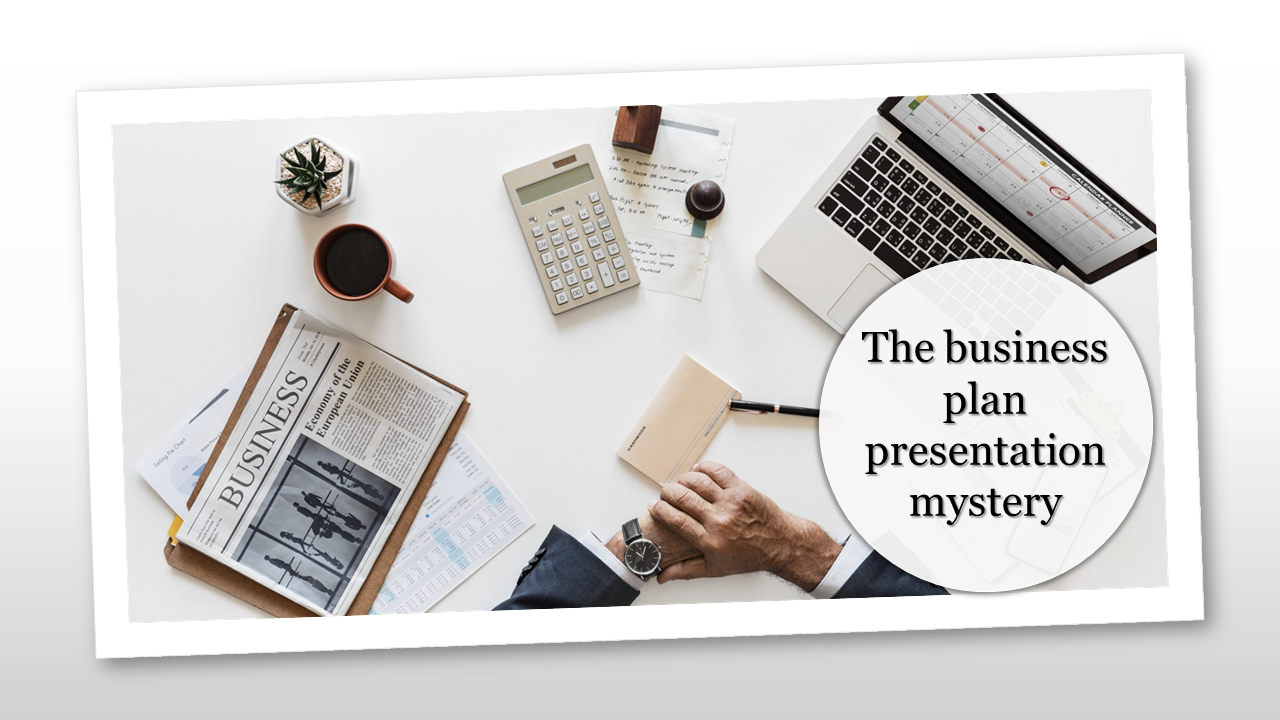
[{"x": 554, "y": 184}]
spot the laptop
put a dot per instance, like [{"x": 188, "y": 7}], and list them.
[{"x": 933, "y": 179}]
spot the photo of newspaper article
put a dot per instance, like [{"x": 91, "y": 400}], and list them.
[{"x": 317, "y": 471}]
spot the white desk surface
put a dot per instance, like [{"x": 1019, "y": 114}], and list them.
[{"x": 206, "y": 259}]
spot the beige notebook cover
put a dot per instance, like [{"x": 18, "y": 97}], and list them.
[{"x": 679, "y": 423}]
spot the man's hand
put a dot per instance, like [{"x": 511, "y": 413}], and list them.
[
  {"x": 736, "y": 530},
  {"x": 674, "y": 548}
]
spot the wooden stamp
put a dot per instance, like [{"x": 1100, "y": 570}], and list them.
[
  {"x": 704, "y": 200},
  {"x": 637, "y": 127}
]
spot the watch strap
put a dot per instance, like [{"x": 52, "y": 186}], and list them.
[{"x": 631, "y": 531}]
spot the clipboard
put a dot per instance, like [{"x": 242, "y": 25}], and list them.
[{"x": 201, "y": 566}]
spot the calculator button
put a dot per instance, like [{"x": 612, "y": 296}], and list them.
[
  {"x": 552, "y": 271},
  {"x": 599, "y": 208},
  {"x": 571, "y": 233},
  {"x": 594, "y": 197},
  {"x": 566, "y": 220},
  {"x": 608, "y": 235},
  {"x": 547, "y": 259},
  {"x": 586, "y": 271},
  {"x": 552, "y": 226},
  {"x": 567, "y": 265},
  {"x": 583, "y": 214},
  {"x": 562, "y": 253},
  {"x": 543, "y": 244},
  {"x": 577, "y": 247},
  {"x": 561, "y": 298},
  {"x": 537, "y": 231},
  {"x": 603, "y": 222},
  {"x": 576, "y": 293},
  {"x": 619, "y": 263},
  {"x": 593, "y": 241},
  {"x": 623, "y": 276},
  {"x": 581, "y": 260},
  {"x": 592, "y": 286},
  {"x": 613, "y": 249},
  {"x": 598, "y": 254},
  {"x": 557, "y": 284},
  {"x": 606, "y": 275},
  {"x": 571, "y": 279},
  {"x": 588, "y": 227},
  {"x": 557, "y": 239}
]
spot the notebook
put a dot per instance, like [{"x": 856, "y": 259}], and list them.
[{"x": 679, "y": 423}]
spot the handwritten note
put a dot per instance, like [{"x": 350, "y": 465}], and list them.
[{"x": 671, "y": 249}]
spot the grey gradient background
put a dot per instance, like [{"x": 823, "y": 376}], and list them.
[{"x": 1223, "y": 666}]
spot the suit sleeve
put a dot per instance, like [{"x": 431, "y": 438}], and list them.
[
  {"x": 877, "y": 577},
  {"x": 564, "y": 573}
]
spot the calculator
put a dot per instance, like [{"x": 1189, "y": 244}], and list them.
[{"x": 571, "y": 229}]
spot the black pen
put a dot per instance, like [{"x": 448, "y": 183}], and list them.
[{"x": 762, "y": 408}]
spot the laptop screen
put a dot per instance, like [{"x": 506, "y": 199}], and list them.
[{"x": 1087, "y": 225}]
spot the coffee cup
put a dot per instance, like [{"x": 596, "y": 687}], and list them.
[{"x": 354, "y": 262}]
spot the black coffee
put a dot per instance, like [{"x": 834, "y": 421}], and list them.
[{"x": 357, "y": 262}]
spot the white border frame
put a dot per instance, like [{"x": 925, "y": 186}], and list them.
[{"x": 1183, "y": 599}]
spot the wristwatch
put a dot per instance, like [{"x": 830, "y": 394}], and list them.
[{"x": 642, "y": 555}]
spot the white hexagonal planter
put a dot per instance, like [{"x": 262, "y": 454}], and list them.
[{"x": 341, "y": 188}]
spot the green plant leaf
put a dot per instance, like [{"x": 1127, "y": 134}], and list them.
[
  {"x": 315, "y": 152},
  {"x": 332, "y": 174}
]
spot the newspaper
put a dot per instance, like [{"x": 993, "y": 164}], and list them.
[{"x": 320, "y": 465}]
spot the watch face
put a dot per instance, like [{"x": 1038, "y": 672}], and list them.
[{"x": 642, "y": 556}]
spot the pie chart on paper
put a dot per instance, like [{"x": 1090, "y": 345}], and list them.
[{"x": 186, "y": 473}]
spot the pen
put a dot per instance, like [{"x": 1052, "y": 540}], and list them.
[{"x": 762, "y": 408}]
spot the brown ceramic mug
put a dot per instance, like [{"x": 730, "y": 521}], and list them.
[{"x": 354, "y": 262}]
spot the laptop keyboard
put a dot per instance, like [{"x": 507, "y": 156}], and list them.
[
  {"x": 905, "y": 218},
  {"x": 990, "y": 302}
]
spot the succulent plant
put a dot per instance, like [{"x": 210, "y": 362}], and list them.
[{"x": 311, "y": 175}]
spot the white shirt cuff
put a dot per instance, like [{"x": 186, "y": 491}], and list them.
[
  {"x": 855, "y": 551},
  {"x": 596, "y": 545}
]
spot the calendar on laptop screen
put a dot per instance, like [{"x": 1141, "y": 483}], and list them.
[{"x": 1086, "y": 225}]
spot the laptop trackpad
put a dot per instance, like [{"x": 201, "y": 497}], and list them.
[{"x": 868, "y": 286}]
